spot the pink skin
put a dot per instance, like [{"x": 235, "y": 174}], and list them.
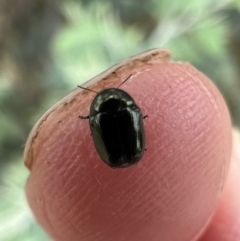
[
  {"x": 225, "y": 225},
  {"x": 170, "y": 195}
]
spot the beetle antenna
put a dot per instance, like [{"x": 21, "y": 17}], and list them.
[
  {"x": 125, "y": 80},
  {"x": 79, "y": 86}
]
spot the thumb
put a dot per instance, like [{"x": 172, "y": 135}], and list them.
[{"x": 170, "y": 194}]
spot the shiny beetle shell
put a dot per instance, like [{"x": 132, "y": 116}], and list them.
[{"x": 117, "y": 128}]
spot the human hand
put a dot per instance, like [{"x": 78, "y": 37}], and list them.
[{"x": 170, "y": 195}]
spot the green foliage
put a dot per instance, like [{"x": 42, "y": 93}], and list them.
[
  {"x": 16, "y": 220},
  {"x": 96, "y": 35},
  {"x": 91, "y": 42}
]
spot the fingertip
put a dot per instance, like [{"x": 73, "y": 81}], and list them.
[{"x": 171, "y": 193}]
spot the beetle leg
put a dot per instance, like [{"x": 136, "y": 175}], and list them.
[
  {"x": 83, "y": 117},
  {"x": 145, "y": 116}
]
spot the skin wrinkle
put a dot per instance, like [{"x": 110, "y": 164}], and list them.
[
  {"x": 141, "y": 199},
  {"x": 77, "y": 214},
  {"x": 45, "y": 213},
  {"x": 42, "y": 202},
  {"x": 140, "y": 216},
  {"x": 78, "y": 219},
  {"x": 62, "y": 170},
  {"x": 137, "y": 215},
  {"x": 68, "y": 180},
  {"x": 40, "y": 124},
  {"x": 120, "y": 197},
  {"x": 155, "y": 201},
  {"x": 132, "y": 186},
  {"x": 227, "y": 214},
  {"x": 162, "y": 182}
]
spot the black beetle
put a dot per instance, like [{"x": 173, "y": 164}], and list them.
[{"x": 117, "y": 128}]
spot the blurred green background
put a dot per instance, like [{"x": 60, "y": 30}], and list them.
[{"x": 48, "y": 47}]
